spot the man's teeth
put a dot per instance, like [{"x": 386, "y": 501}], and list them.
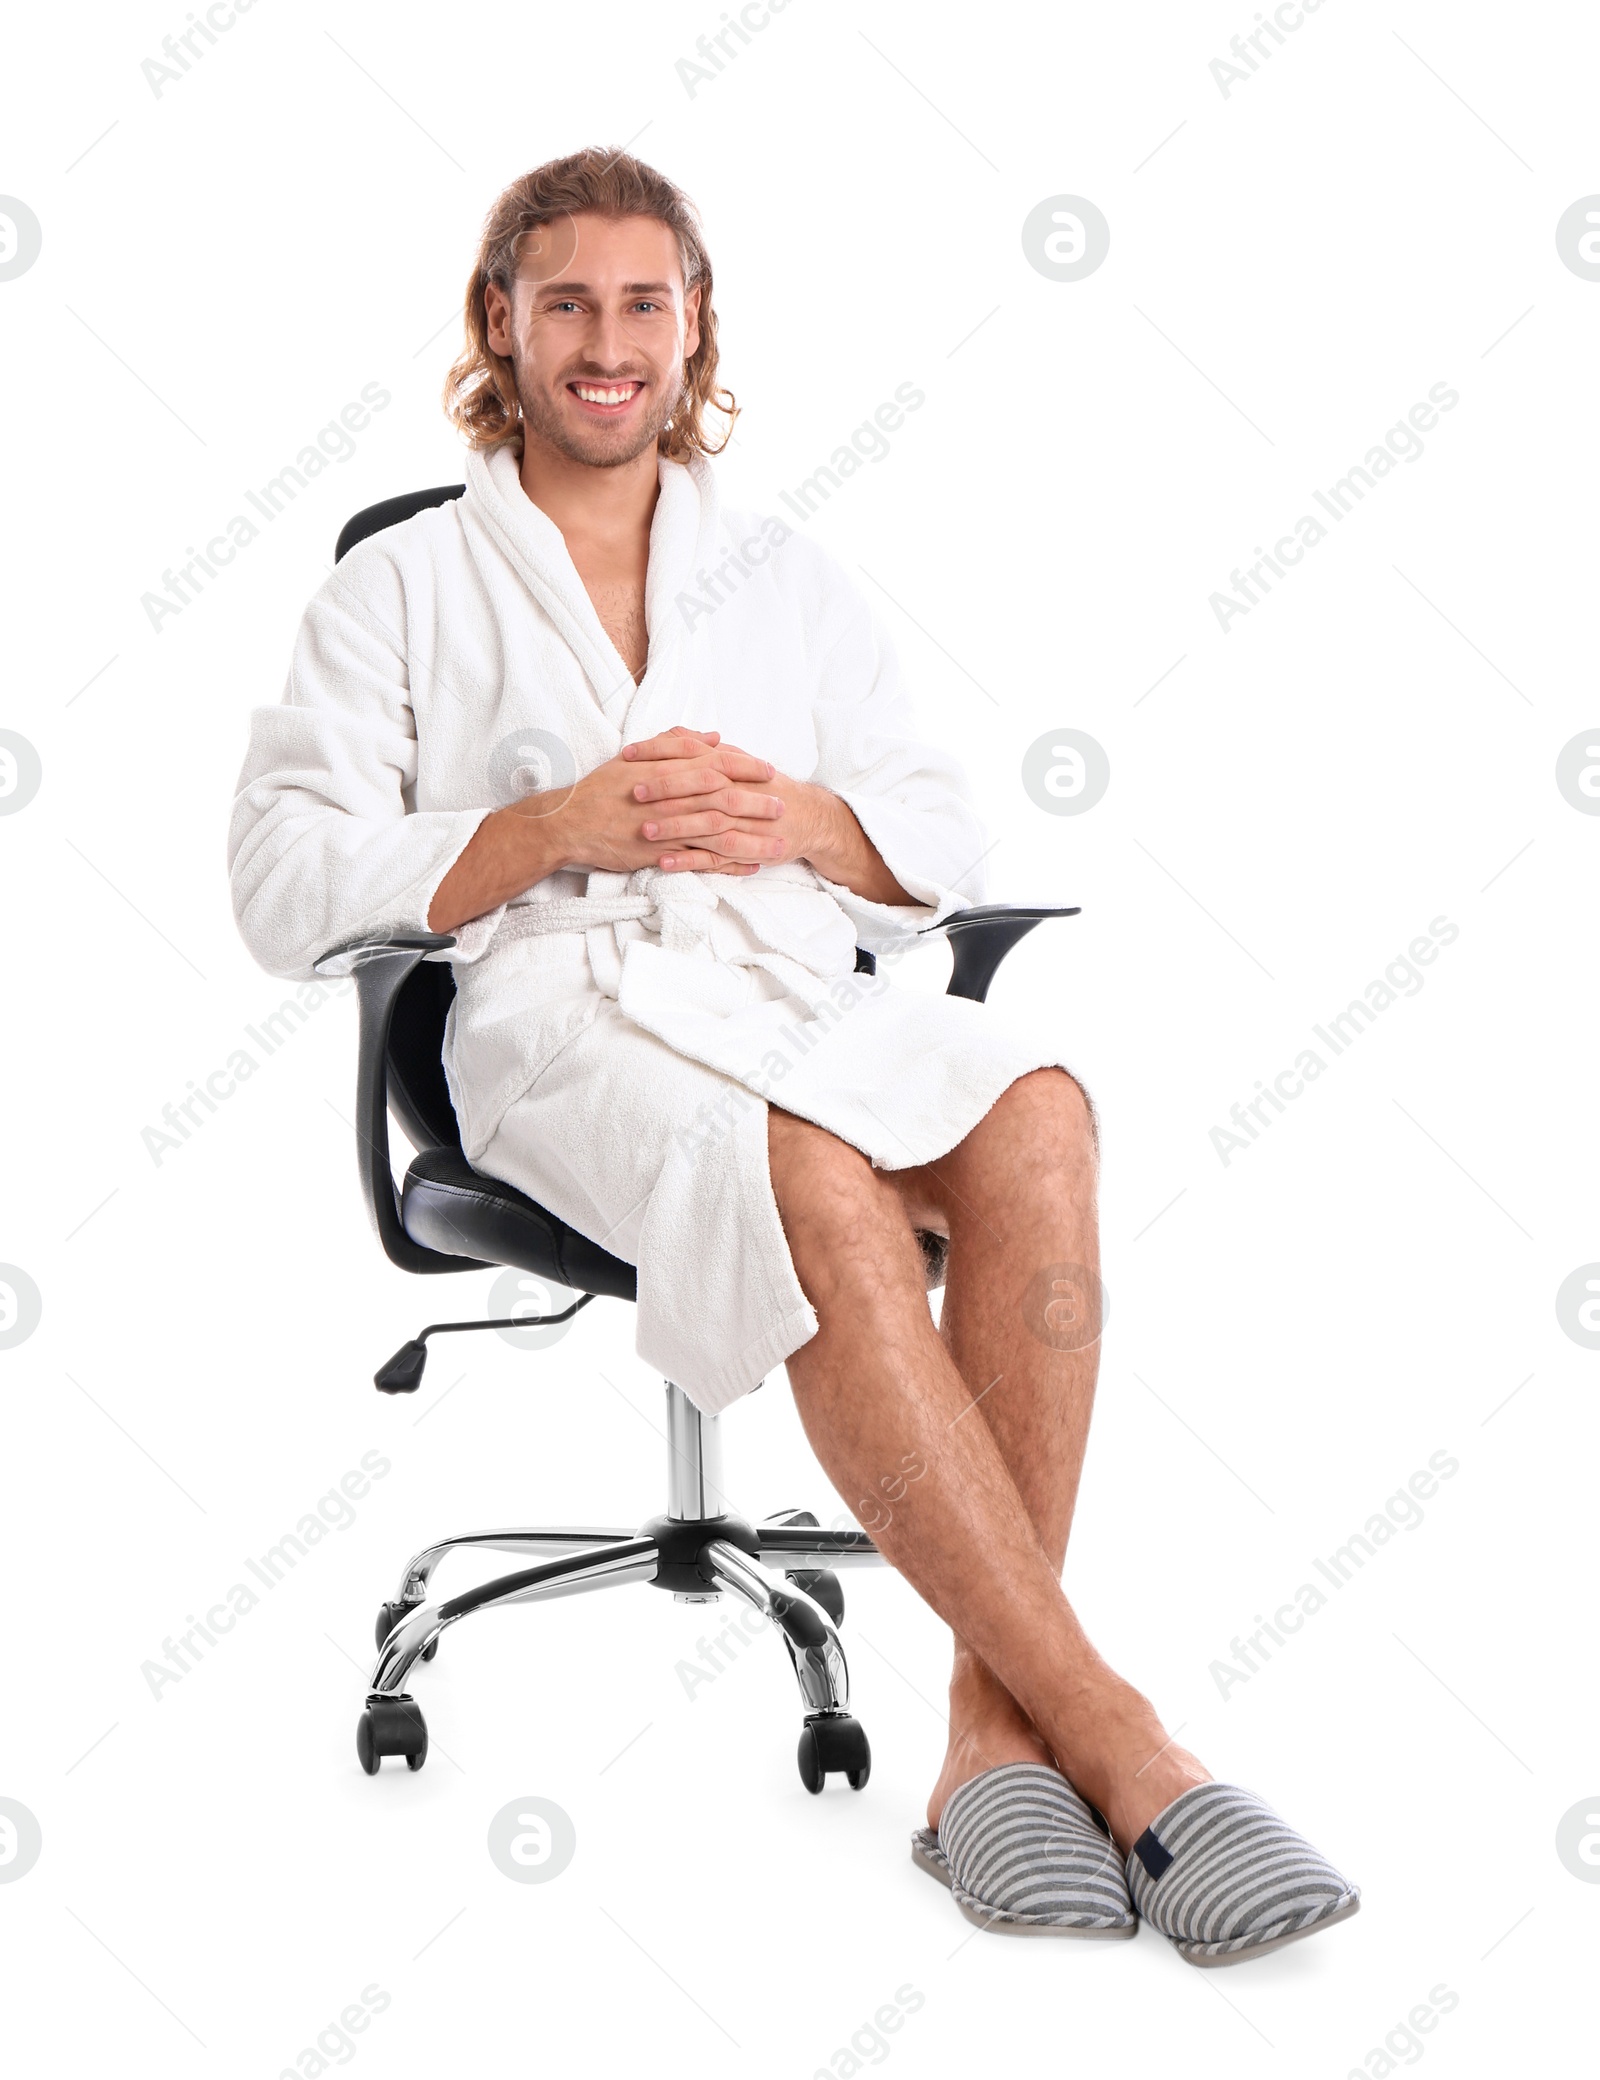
[{"x": 618, "y": 396}]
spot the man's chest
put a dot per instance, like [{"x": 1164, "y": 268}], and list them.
[{"x": 619, "y": 602}]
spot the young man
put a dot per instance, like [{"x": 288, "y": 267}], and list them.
[{"x": 649, "y": 762}]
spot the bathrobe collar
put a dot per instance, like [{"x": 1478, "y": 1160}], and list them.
[{"x": 683, "y": 533}]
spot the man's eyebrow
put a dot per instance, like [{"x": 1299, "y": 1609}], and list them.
[{"x": 584, "y": 289}]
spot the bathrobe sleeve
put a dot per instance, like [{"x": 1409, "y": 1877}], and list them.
[
  {"x": 908, "y": 796},
  {"x": 324, "y": 843}
]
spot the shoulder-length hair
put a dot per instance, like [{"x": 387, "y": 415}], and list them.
[{"x": 480, "y": 393}]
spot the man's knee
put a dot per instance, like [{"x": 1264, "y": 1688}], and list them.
[
  {"x": 1047, "y": 1113},
  {"x": 1066, "y": 1105}
]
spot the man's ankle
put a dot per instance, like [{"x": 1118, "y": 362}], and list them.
[{"x": 974, "y": 1749}]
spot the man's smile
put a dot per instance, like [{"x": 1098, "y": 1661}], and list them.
[{"x": 605, "y": 400}]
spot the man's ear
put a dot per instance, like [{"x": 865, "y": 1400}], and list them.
[
  {"x": 691, "y": 321},
  {"x": 497, "y": 312}
]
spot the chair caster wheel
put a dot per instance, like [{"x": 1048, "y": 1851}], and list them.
[
  {"x": 391, "y": 1726},
  {"x": 831, "y": 1742},
  {"x": 824, "y": 1588},
  {"x": 389, "y": 1616}
]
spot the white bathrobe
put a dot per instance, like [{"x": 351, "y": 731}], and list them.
[{"x": 615, "y": 1037}]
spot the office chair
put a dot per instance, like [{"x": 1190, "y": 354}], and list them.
[{"x": 446, "y": 1216}]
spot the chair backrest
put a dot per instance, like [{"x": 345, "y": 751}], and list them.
[
  {"x": 389, "y": 512},
  {"x": 419, "y": 1096},
  {"x": 418, "y": 1093}
]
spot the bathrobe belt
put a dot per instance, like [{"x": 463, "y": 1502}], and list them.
[
  {"x": 684, "y": 914},
  {"x": 676, "y": 908}
]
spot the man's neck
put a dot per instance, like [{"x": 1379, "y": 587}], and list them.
[{"x": 602, "y": 507}]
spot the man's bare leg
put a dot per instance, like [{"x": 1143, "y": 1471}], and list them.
[
  {"x": 1021, "y": 1320},
  {"x": 875, "y": 1387}
]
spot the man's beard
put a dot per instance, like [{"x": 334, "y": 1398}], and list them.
[{"x": 599, "y": 450}]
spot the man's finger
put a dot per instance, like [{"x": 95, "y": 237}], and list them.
[
  {"x": 704, "y": 863},
  {"x": 670, "y": 783},
  {"x": 717, "y": 833},
  {"x": 741, "y": 801},
  {"x": 698, "y": 822},
  {"x": 678, "y": 742},
  {"x": 671, "y": 752},
  {"x": 734, "y": 765},
  {"x": 727, "y": 803},
  {"x": 733, "y": 757},
  {"x": 740, "y": 765},
  {"x": 672, "y": 830},
  {"x": 739, "y": 841},
  {"x": 724, "y": 840}
]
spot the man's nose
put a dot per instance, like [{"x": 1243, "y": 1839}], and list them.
[{"x": 610, "y": 344}]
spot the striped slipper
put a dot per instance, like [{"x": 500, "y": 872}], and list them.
[
  {"x": 1223, "y": 1878},
  {"x": 1021, "y": 1853}
]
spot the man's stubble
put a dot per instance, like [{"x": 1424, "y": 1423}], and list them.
[{"x": 600, "y": 451}]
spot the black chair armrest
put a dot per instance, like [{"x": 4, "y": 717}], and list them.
[
  {"x": 981, "y": 938},
  {"x": 380, "y": 966},
  {"x": 356, "y": 953}
]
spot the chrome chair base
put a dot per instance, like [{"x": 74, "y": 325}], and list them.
[{"x": 699, "y": 1551}]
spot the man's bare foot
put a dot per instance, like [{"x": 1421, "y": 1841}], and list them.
[
  {"x": 987, "y": 1727},
  {"x": 974, "y": 1749},
  {"x": 1125, "y": 1763},
  {"x": 1128, "y": 1765}
]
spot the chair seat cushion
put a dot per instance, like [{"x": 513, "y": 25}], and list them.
[{"x": 447, "y": 1205}]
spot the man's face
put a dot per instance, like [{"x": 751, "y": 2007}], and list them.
[{"x": 597, "y": 331}]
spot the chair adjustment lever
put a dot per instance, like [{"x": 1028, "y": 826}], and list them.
[{"x": 402, "y": 1374}]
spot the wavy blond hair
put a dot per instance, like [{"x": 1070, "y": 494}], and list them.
[{"x": 480, "y": 392}]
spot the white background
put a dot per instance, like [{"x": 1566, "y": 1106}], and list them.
[{"x": 1293, "y": 1333}]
